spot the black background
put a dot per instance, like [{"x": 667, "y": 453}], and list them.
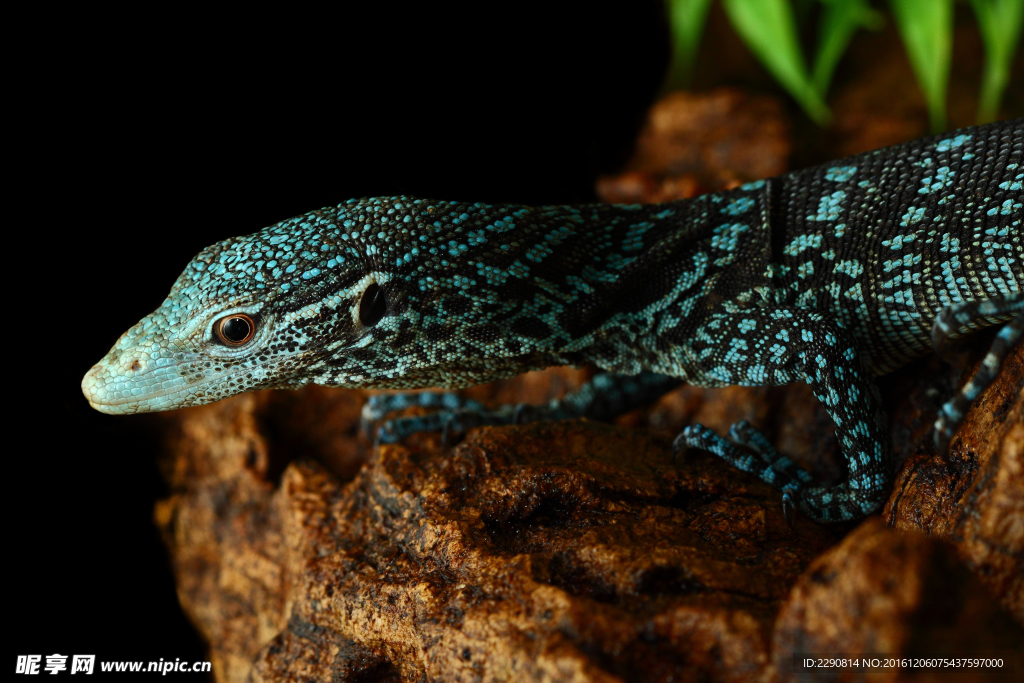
[{"x": 142, "y": 139}]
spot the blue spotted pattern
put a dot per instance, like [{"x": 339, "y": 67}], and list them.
[{"x": 828, "y": 276}]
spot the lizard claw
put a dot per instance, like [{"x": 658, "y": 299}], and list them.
[
  {"x": 788, "y": 510},
  {"x": 368, "y": 417},
  {"x": 385, "y": 433},
  {"x": 942, "y": 438},
  {"x": 447, "y": 430},
  {"x": 682, "y": 441}
]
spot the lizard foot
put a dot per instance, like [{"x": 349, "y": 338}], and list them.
[
  {"x": 463, "y": 416},
  {"x": 747, "y": 435},
  {"x": 379, "y": 405},
  {"x": 757, "y": 456}
]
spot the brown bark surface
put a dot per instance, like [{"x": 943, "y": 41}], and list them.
[
  {"x": 975, "y": 496},
  {"x": 905, "y": 594},
  {"x": 570, "y": 551}
]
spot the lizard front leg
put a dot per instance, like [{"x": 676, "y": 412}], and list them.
[{"x": 784, "y": 346}]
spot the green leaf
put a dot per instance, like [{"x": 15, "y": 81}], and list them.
[
  {"x": 686, "y": 19},
  {"x": 1000, "y": 23},
  {"x": 927, "y": 30},
  {"x": 839, "y": 21},
  {"x": 769, "y": 30}
]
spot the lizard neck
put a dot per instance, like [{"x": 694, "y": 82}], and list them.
[{"x": 500, "y": 289}]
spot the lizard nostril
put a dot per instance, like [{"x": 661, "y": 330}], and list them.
[{"x": 135, "y": 366}]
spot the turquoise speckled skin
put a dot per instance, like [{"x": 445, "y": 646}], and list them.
[{"x": 828, "y": 275}]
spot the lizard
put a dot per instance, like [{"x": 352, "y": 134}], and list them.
[{"x": 830, "y": 275}]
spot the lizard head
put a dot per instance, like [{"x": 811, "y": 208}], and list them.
[
  {"x": 246, "y": 313},
  {"x": 372, "y": 293}
]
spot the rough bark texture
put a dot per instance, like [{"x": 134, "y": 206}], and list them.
[
  {"x": 881, "y": 591},
  {"x": 541, "y": 552},
  {"x": 975, "y": 496},
  {"x": 572, "y": 551}
]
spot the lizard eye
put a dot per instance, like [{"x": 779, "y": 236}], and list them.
[
  {"x": 373, "y": 305},
  {"x": 235, "y": 329}
]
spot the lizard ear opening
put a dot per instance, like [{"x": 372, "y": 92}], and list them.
[{"x": 373, "y": 305}]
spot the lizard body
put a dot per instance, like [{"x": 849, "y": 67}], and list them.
[{"x": 829, "y": 275}]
